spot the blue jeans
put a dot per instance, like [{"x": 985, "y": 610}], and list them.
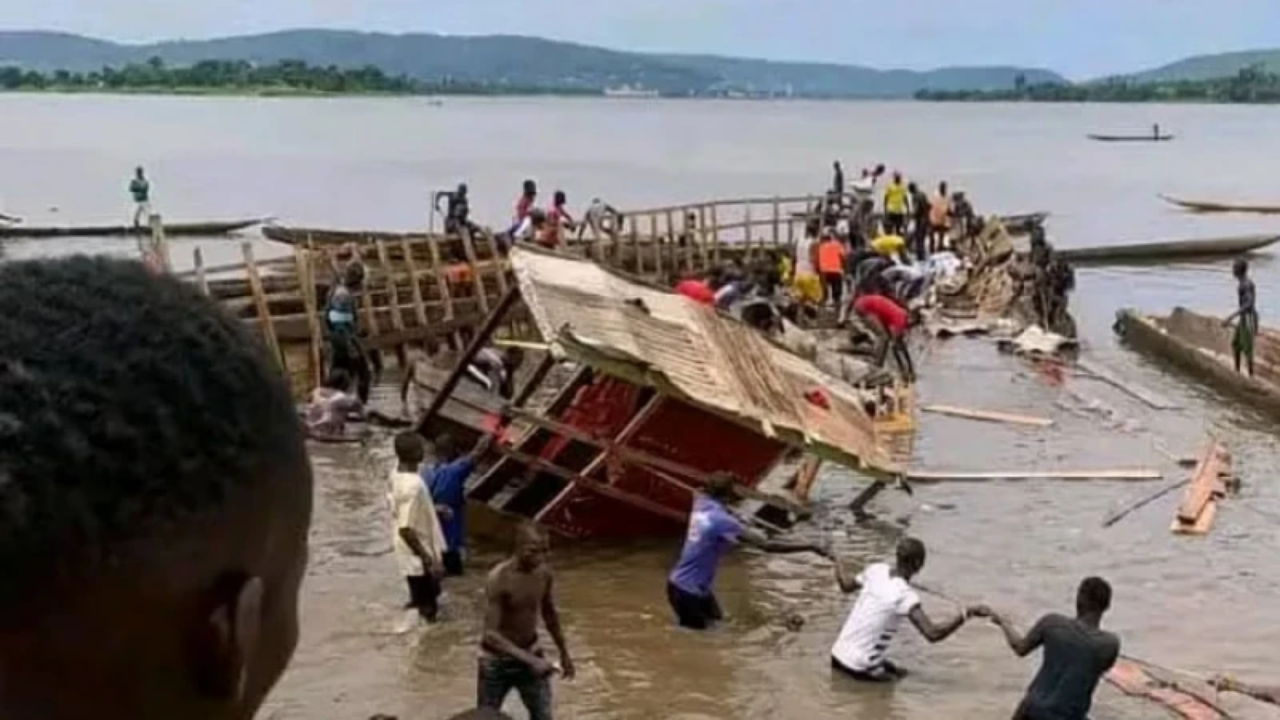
[{"x": 499, "y": 675}]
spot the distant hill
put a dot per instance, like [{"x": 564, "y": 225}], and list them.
[
  {"x": 513, "y": 61},
  {"x": 1210, "y": 67}
]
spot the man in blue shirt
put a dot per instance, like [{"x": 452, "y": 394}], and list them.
[
  {"x": 712, "y": 531},
  {"x": 447, "y": 480}
]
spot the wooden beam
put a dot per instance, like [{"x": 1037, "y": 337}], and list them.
[
  {"x": 415, "y": 283},
  {"x": 987, "y": 415},
  {"x": 308, "y": 287},
  {"x": 657, "y": 246},
  {"x": 481, "y": 337},
  {"x": 397, "y": 320},
  {"x": 264, "y": 312},
  {"x": 963, "y": 476},
  {"x": 635, "y": 244},
  {"x": 531, "y": 385},
  {"x": 777, "y": 227},
  {"x": 715, "y": 236},
  {"x": 442, "y": 283},
  {"x": 477, "y": 282},
  {"x": 202, "y": 282}
]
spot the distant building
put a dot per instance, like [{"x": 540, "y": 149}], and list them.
[{"x": 626, "y": 91}]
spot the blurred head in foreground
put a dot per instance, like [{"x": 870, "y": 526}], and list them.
[{"x": 155, "y": 498}]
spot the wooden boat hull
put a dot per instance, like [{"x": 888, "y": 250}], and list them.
[
  {"x": 1166, "y": 251},
  {"x": 1201, "y": 206},
  {"x": 327, "y": 236},
  {"x": 1021, "y": 224},
  {"x": 193, "y": 229},
  {"x": 1130, "y": 138},
  {"x": 1201, "y": 346}
]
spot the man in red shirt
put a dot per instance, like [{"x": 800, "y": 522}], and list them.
[
  {"x": 558, "y": 218},
  {"x": 697, "y": 289},
  {"x": 888, "y": 320}
]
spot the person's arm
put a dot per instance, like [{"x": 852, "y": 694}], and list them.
[
  {"x": 481, "y": 448},
  {"x": 1022, "y": 645},
  {"x": 551, "y": 618},
  {"x": 414, "y": 541},
  {"x": 757, "y": 539},
  {"x": 847, "y": 584},
  {"x": 494, "y": 640},
  {"x": 932, "y": 632}
]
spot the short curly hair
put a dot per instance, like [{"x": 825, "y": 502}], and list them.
[{"x": 128, "y": 403}]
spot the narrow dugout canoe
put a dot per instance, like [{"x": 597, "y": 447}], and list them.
[
  {"x": 1207, "y": 206},
  {"x": 1201, "y": 346},
  {"x": 1198, "y": 249},
  {"x": 1130, "y": 138},
  {"x": 191, "y": 229}
]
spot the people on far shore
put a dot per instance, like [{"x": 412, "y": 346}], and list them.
[{"x": 140, "y": 191}]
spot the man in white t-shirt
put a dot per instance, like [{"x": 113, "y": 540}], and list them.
[
  {"x": 416, "y": 536},
  {"x": 885, "y": 598}
]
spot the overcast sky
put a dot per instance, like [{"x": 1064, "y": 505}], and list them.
[{"x": 1081, "y": 38}]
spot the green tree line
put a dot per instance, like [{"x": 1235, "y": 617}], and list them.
[
  {"x": 1250, "y": 85},
  {"x": 242, "y": 76}
]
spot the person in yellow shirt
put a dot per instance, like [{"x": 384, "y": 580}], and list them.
[
  {"x": 895, "y": 206},
  {"x": 939, "y": 219},
  {"x": 889, "y": 245}
]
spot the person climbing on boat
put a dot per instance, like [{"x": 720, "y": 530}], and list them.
[
  {"x": 331, "y": 405},
  {"x": 831, "y": 256},
  {"x": 346, "y": 351},
  {"x": 712, "y": 531},
  {"x": 416, "y": 537},
  {"x": 602, "y": 219},
  {"x": 558, "y": 220},
  {"x": 940, "y": 219},
  {"x": 525, "y": 203},
  {"x": 457, "y": 210},
  {"x": 447, "y": 481},
  {"x": 837, "y": 179},
  {"x": 140, "y": 191},
  {"x": 1077, "y": 653},
  {"x": 889, "y": 321},
  {"x": 518, "y": 592},
  {"x": 919, "y": 220},
  {"x": 496, "y": 371},
  {"x": 885, "y": 596},
  {"x": 531, "y": 228},
  {"x": 1245, "y": 316},
  {"x": 895, "y": 206}
]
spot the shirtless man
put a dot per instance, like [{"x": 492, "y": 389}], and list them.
[
  {"x": 518, "y": 591},
  {"x": 1245, "y": 317}
]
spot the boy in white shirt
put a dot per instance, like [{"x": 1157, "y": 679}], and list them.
[
  {"x": 885, "y": 598},
  {"x": 415, "y": 529}
]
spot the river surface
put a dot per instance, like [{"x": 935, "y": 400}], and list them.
[{"x": 1204, "y": 605}]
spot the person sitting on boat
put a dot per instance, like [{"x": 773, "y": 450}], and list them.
[
  {"x": 346, "y": 351},
  {"x": 889, "y": 321},
  {"x": 1077, "y": 653},
  {"x": 495, "y": 371},
  {"x": 712, "y": 531},
  {"x": 331, "y": 406},
  {"x": 140, "y": 190},
  {"x": 558, "y": 220},
  {"x": 602, "y": 219},
  {"x": 457, "y": 216},
  {"x": 1245, "y": 316},
  {"x": 885, "y": 596}
]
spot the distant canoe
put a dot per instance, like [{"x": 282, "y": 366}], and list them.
[
  {"x": 195, "y": 229},
  {"x": 1202, "y": 206},
  {"x": 1202, "y": 249},
  {"x": 1021, "y": 224},
  {"x": 1130, "y": 138}
]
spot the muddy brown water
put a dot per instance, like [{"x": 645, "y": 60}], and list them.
[{"x": 1205, "y": 605}]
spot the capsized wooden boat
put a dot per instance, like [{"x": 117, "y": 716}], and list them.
[
  {"x": 1198, "y": 249},
  {"x": 1201, "y": 346},
  {"x": 1205, "y": 206},
  {"x": 1130, "y": 138},
  {"x": 191, "y": 229}
]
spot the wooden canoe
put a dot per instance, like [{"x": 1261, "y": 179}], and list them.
[
  {"x": 1201, "y": 346},
  {"x": 1022, "y": 223},
  {"x": 1205, "y": 206},
  {"x": 1198, "y": 249},
  {"x": 328, "y": 236},
  {"x": 192, "y": 229},
  {"x": 1130, "y": 138}
]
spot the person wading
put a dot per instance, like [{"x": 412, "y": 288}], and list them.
[
  {"x": 157, "y": 500},
  {"x": 1245, "y": 316},
  {"x": 885, "y": 596},
  {"x": 416, "y": 538},
  {"x": 1077, "y": 653},
  {"x": 518, "y": 591},
  {"x": 712, "y": 531},
  {"x": 140, "y": 191}
]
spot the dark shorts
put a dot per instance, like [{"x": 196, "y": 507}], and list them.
[
  {"x": 696, "y": 612},
  {"x": 453, "y": 566},
  {"x": 884, "y": 672},
  {"x": 500, "y": 675},
  {"x": 424, "y": 595}
]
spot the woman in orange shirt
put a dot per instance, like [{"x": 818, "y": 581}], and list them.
[{"x": 831, "y": 254}]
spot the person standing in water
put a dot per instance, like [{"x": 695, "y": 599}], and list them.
[
  {"x": 140, "y": 191},
  {"x": 712, "y": 531},
  {"x": 447, "y": 481},
  {"x": 1077, "y": 653},
  {"x": 885, "y": 597},
  {"x": 1245, "y": 316},
  {"x": 416, "y": 537},
  {"x": 518, "y": 591}
]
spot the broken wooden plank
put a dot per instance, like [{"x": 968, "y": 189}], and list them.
[
  {"x": 1199, "y": 504},
  {"x": 966, "y": 476},
  {"x": 1129, "y": 388},
  {"x": 987, "y": 415}
]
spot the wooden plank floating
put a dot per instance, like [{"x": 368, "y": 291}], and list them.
[
  {"x": 1199, "y": 503},
  {"x": 926, "y": 476},
  {"x": 987, "y": 415}
]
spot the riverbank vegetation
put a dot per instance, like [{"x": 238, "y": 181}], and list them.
[
  {"x": 1250, "y": 85},
  {"x": 239, "y": 77}
]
